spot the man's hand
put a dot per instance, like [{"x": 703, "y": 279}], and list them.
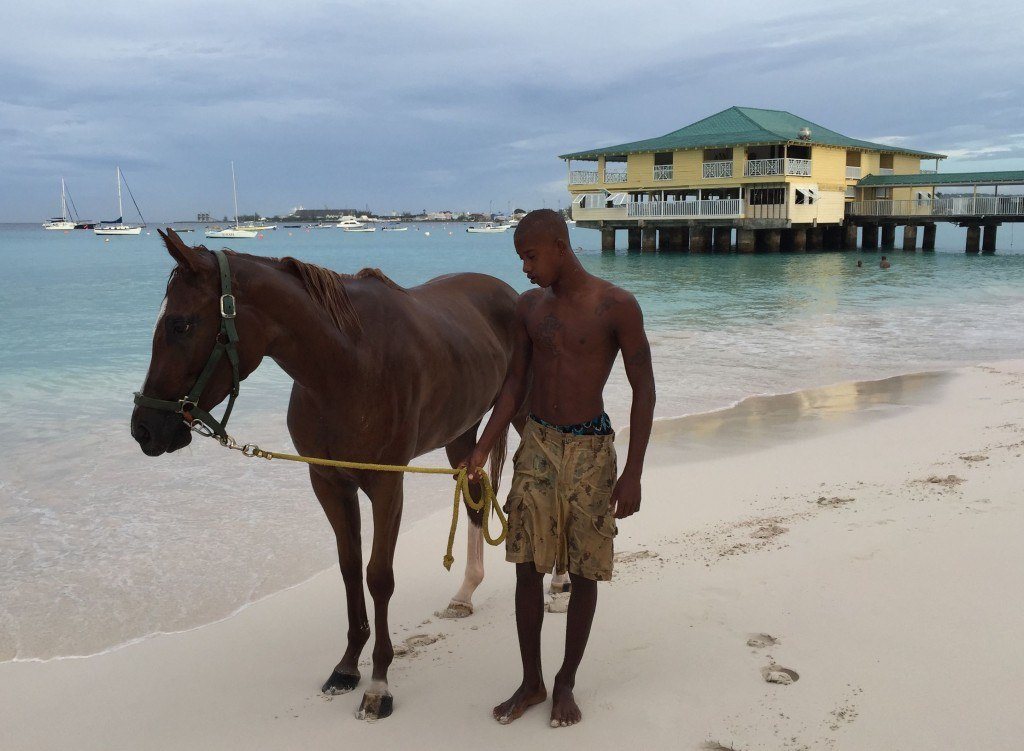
[
  {"x": 626, "y": 496},
  {"x": 474, "y": 463}
]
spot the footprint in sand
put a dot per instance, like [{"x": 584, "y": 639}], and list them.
[
  {"x": 974, "y": 457},
  {"x": 760, "y": 641},
  {"x": 949, "y": 481},
  {"x": 408, "y": 647},
  {"x": 777, "y": 674},
  {"x": 833, "y": 502},
  {"x": 768, "y": 531}
]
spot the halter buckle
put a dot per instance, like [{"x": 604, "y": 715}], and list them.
[{"x": 227, "y": 306}]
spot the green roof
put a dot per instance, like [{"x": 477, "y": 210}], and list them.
[
  {"x": 738, "y": 126},
  {"x": 1008, "y": 177}
]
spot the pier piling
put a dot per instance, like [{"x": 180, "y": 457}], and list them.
[
  {"x": 608, "y": 239},
  {"x": 928, "y": 242},
  {"x": 700, "y": 239},
  {"x": 723, "y": 239},
  {"x": 869, "y": 237},
  {"x": 973, "y": 236},
  {"x": 633, "y": 238},
  {"x": 888, "y": 236},
  {"x": 745, "y": 240},
  {"x": 648, "y": 239},
  {"x": 799, "y": 239},
  {"x": 988, "y": 242},
  {"x": 910, "y": 237},
  {"x": 849, "y": 235},
  {"x": 814, "y": 238}
]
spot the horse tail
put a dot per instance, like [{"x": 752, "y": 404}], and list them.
[{"x": 497, "y": 459}]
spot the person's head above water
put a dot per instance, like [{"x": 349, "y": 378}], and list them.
[{"x": 542, "y": 242}]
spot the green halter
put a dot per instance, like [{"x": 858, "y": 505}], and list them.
[{"x": 227, "y": 339}]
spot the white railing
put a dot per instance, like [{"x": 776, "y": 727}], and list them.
[
  {"x": 800, "y": 167},
  {"x": 714, "y": 170},
  {"x": 663, "y": 172},
  {"x": 614, "y": 177},
  {"x": 583, "y": 177},
  {"x": 760, "y": 167},
  {"x": 958, "y": 206},
  {"x": 929, "y": 171},
  {"x": 852, "y": 173},
  {"x": 885, "y": 171},
  {"x": 731, "y": 207}
]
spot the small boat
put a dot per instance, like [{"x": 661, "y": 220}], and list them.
[
  {"x": 62, "y": 222},
  {"x": 257, "y": 226},
  {"x": 235, "y": 232},
  {"x": 394, "y": 229},
  {"x": 349, "y": 222},
  {"x": 360, "y": 229},
  {"x": 118, "y": 227},
  {"x": 489, "y": 229},
  {"x": 293, "y": 226}
]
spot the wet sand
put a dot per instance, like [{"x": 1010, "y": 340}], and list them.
[{"x": 831, "y": 569}]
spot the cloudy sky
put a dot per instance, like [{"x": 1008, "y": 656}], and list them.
[{"x": 462, "y": 105}]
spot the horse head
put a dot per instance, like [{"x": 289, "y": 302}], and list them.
[{"x": 187, "y": 331}]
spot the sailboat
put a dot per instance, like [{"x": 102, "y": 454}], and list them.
[
  {"x": 64, "y": 221},
  {"x": 118, "y": 227},
  {"x": 235, "y": 231}
]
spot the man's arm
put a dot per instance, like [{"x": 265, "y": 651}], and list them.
[
  {"x": 628, "y": 320},
  {"x": 513, "y": 390}
]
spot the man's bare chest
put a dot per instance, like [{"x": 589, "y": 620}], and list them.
[{"x": 557, "y": 333}]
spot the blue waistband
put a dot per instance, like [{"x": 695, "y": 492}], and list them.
[{"x": 600, "y": 425}]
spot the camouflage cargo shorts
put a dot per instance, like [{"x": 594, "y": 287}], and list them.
[{"x": 558, "y": 506}]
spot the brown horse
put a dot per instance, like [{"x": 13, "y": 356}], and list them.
[{"x": 382, "y": 374}]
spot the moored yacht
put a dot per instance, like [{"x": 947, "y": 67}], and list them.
[{"x": 117, "y": 226}]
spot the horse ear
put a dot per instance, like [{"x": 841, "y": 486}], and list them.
[{"x": 186, "y": 257}]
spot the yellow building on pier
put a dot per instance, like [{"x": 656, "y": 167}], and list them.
[{"x": 775, "y": 178}]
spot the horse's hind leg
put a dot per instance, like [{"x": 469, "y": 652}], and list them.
[
  {"x": 461, "y": 603},
  {"x": 341, "y": 504},
  {"x": 385, "y": 491}
]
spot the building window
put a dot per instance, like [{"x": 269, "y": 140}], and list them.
[
  {"x": 883, "y": 192},
  {"x": 663, "y": 158},
  {"x": 717, "y": 155},
  {"x": 767, "y": 196},
  {"x": 806, "y": 196},
  {"x": 851, "y": 191}
]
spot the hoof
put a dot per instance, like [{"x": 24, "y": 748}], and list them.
[
  {"x": 340, "y": 683},
  {"x": 375, "y": 706},
  {"x": 455, "y": 609}
]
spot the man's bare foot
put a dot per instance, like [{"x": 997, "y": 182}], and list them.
[
  {"x": 564, "y": 711},
  {"x": 524, "y": 698}
]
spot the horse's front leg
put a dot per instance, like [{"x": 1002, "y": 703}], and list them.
[
  {"x": 339, "y": 497},
  {"x": 385, "y": 491},
  {"x": 461, "y": 604}
]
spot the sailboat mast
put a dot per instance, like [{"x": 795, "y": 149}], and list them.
[
  {"x": 234, "y": 192},
  {"x": 120, "y": 211},
  {"x": 63, "y": 201}
]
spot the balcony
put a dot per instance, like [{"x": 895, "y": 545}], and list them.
[
  {"x": 716, "y": 170},
  {"x": 885, "y": 171},
  {"x": 941, "y": 207},
  {"x": 614, "y": 177},
  {"x": 663, "y": 172},
  {"x": 766, "y": 167},
  {"x": 853, "y": 173},
  {"x": 725, "y": 207},
  {"x": 583, "y": 177}
]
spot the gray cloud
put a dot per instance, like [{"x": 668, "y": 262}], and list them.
[{"x": 455, "y": 104}]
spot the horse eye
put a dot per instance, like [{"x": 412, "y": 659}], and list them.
[{"x": 182, "y": 327}]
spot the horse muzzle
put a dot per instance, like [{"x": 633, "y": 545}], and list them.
[{"x": 159, "y": 432}]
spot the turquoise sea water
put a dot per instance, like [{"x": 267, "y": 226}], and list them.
[{"x": 101, "y": 545}]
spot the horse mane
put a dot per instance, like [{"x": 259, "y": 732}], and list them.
[{"x": 327, "y": 289}]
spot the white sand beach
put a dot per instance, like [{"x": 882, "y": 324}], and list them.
[{"x": 879, "y": 560}]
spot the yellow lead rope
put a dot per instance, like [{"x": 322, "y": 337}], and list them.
[{"x": 488, "y": 503}]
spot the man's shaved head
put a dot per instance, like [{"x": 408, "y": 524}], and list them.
[{"x": 543, "y": 225}]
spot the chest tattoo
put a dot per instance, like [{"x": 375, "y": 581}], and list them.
[{"x": 547, "y": 333}]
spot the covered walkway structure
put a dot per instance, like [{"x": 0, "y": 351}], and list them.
[{"x": 914, "y": 201}]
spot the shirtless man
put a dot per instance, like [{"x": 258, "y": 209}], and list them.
[{"x": 565, "y": 496}]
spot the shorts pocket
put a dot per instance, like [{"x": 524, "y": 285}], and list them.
[{"x": 605, "y": 525}]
